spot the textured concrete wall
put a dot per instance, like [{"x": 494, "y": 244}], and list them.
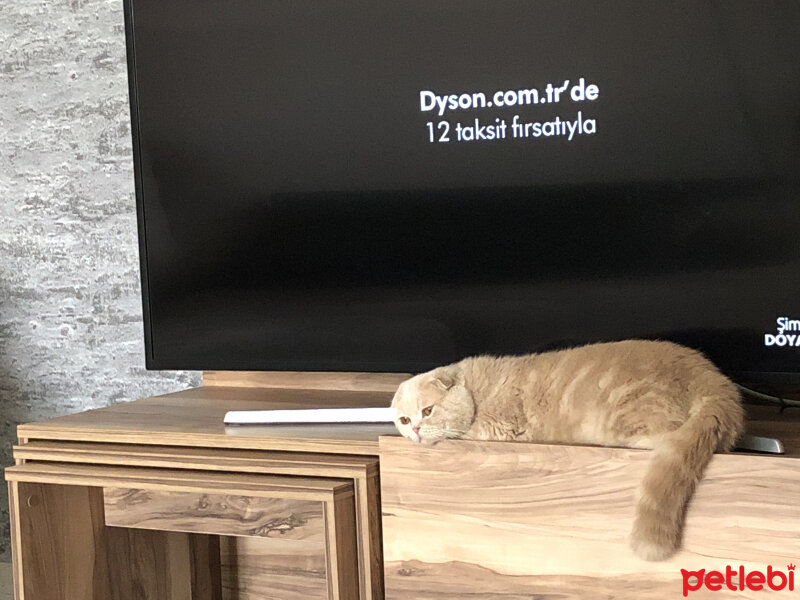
[{"x": 70, "y": 307}]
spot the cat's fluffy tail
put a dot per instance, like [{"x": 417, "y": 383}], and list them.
[{"x": 678, "y": 463}]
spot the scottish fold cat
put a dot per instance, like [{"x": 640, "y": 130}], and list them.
[{"x": 637, "y": 394}]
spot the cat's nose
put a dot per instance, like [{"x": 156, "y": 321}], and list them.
[{"x": 415, "y": 429}]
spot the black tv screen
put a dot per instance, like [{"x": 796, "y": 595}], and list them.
[{"x": 389, "y": 185}]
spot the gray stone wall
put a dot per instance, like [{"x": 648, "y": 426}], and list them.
[{"x": 70, "y": 305}]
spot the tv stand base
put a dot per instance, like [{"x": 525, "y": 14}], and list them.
[{"x": 158, "y": 496}]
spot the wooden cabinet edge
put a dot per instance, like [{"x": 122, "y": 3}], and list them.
[{"x": 341, "y": 549}]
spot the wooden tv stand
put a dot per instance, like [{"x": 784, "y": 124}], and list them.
[{"x": 156, "y": 499}]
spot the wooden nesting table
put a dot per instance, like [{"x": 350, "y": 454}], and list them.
[{"x": 157, "y": 500}]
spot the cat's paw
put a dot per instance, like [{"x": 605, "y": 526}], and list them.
[
  {"x": 653, "y": 541},
  {"x": 428, "y": 442}
]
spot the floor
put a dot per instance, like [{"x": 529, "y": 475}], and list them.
[{"x": 6, "y": 587}]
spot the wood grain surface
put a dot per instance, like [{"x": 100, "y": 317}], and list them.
[
  {"x": 67, "y": 552},
  {"x": 242, "y": 484},
  {"x": 368, "y": 519},
  {"x": 361, "y": 470},
  {"x": 506, "y": 520},
  {"x": 341, "y": 549},
  {"x": 156, "y": 565},
  {"x": 268, "y": 569},
  {"x": 195, "y": 418},
  {"x": 204, "y": 459},
  {"x": 222, "y": 514},
  {"x": 315, "y": 526},
  {"x": 184, "y": 432},
  {"x": 329, "y": 380}
]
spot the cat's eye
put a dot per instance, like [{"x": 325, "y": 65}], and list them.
[
  {"x": 404, "y": 420},
  {"x": 426, "y": 412}
]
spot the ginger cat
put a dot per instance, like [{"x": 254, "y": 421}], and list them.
[{"x": 637, "y": 394}]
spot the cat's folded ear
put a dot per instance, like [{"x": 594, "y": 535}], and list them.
[{"x": 443, "y": 379}]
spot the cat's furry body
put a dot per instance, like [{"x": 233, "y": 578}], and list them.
[{"x": 638, "y": 394}]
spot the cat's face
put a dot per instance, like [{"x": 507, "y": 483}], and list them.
[{"x": 432, "y": 407}]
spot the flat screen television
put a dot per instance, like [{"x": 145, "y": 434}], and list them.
[{"x": 390, "y": 185}]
